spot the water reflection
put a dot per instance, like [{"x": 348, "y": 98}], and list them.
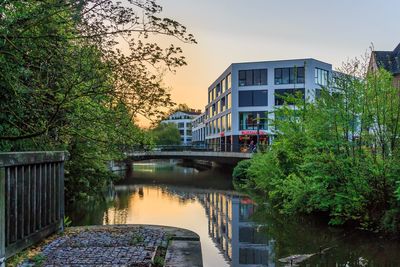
[
  {"x": 230, "y": 227},
  {"x": 234, "y": 230}
]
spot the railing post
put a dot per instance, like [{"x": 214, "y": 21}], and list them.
[
  {"x": 61, "y": 196},
  {"x": 2, "y": 217}
]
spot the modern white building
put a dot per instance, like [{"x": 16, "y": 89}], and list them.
[
  {"x": 247, "y": 90},
  {"x": 199, "y": 129},
  {"x": 183, "y": 121}
]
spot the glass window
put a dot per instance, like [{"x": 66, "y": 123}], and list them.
[
  {"x": 245, "y": 98},
  {"x": 223, "y": 124},
  {"x": 248, "y": 121},
  {"x": 280, "y": 95},
  {"x": 218, "y": 90},
  {"x": 260, "y": 98},
  {"x": 264, "y": 77},
  {"x": 229, "y": 122},
  {"x": 189, "y": 125},
  {"x": 321, "y": 77},
  {"x": 253, "y": 98},
  {"x": 229, "y": 81},
  {"x": 286, "y": 76},
  {"x": 253, "y": 77},
  {"x": 229, "y": 101},
  {"x": 249, "y": 77},
  {"x": 181, "y": 125},
  {"x": 223, "y": 86},
  {"x": 223, "y": 104},
  {"x": 242, "y": 78},
  {"x": 318, "y": 93},
  {"x": 300, "y": 75},
  {"x": 289, "y": 75},
  {"x": 257, "y": 77},
  {"x": 182, "y": 132},
  {"x": 278, "y": 76}
]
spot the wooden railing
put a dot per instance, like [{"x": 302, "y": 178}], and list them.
[{"x": 31, "y": 199}]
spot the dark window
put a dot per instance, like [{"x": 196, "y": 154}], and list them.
[
  {"x": 181, "y": 125},
  {"x": 317, "y": 93},
  {"x": 289, "y": 75},
  {"x": 260, "y": 98},
  {"x": 245, "y": 98},
  {"x": 286, "y": 76},
  {"x": 300, "y": 75},
  {"x": 249, "y": 77},
  {"x": 281, "y": 94},
  {"x": 242, "y": 78},
  {"x": 218, "y": 89},
  {"x": 264, "y": 77},
  {"x": 278, "y": 76},
  {"x": 257, "y": 77},
  {"x": 182, "y": 132},
  {"x": 253, "y": 77},
  {"x": 253, "y": 98}
]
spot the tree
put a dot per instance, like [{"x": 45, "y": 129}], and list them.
[
  {"x": 75, "y": 74},
  {"x": 166, "y": 134}
]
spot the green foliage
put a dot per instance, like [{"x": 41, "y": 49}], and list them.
[
  {"x": 337, "y": 156},
  {"x": 67, "y": 221},
  {"x": 166, "y": 134},
  {"x": 65, "y": 84}
]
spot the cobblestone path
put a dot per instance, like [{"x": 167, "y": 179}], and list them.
[{"x": 105, "y": 246}]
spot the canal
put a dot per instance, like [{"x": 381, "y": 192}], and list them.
[{"x": 235, "y": 229}]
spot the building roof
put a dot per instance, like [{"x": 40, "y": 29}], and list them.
[{"x": 389, "y": 60}]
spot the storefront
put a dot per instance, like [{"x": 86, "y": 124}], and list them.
[{"x": 248, "y": 138}]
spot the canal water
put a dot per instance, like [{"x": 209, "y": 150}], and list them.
[{"x": 235, "y": 229}]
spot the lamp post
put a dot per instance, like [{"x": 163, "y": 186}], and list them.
[{"x": 258, "y": 129}]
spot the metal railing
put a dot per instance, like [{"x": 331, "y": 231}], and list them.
[
  {"x": 205, "y": 147},
  {"x": 31, "y": 199}
]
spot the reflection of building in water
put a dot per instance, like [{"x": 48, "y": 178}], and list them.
[{"x": 234, "y": 234}]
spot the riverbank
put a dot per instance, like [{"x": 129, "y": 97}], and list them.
[{"x": 119, "y": 245}]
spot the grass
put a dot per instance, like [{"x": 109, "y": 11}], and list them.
[{"x": 136, "y": 239}]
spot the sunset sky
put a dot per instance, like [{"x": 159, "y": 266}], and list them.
[{"x": 230, "y": 31}]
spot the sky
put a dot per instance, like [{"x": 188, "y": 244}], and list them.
[{"x": 231, "y": 31}]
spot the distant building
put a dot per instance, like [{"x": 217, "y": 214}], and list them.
[
  {"x": 183, "y": 121},
  {"x": 247, "y": 90},
  {"x": 199, "y": 129},
  {"x": 389, "y": 60}
]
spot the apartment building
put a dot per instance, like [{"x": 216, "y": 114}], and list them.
[
  {"x": 247, "y": 91},
  {"x": 183, "y": 121},
  {"x": 199, "y": 130}
]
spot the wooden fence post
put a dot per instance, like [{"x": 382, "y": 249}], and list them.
[{"x": 2, "y": 217}]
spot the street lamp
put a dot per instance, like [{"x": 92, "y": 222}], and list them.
[{"x": 258, "y": 129}]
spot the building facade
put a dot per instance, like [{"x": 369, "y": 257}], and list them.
[
  {"x": 183, "y": 121},
  {"x": 247, "y": 91},
  {"x": 389, "y": 60},
  {"x": 199, "y": 130}
]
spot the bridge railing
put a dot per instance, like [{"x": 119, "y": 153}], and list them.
[
  {"x": 205, "y": 147},
  {"x": 31, "y": 199}
]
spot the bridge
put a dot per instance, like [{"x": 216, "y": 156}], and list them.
[{"x": 208, "y": 153}]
